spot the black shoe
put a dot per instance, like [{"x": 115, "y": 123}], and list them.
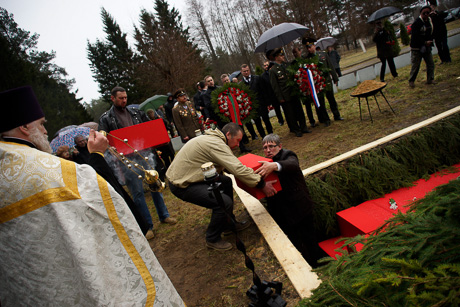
[
  {"x": 327, "y": 123},
  {"x": 255, "y": 137},
  {"x": 306, "y": 131},
  {"x": 281, "y": 123},
  {"x": 313, "y": 125},
  {"x": 338, "y": 118},
  {"x": 240, "y": 226},
  {"x": 298, "y": 134}
]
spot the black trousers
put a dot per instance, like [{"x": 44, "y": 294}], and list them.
[
  {"x": 391, "y": 65},
  {"x": 295, "y": 117},
  {"x": 321, "y": 112},
  {"x": 278, "y": 112},
  {"x": 198, "y": 194},
  {"x": 333, "y": 104}
]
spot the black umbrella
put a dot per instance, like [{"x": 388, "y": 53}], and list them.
[
  {"x": 234, "y": 74},
  {"x": 382, "y": 13},
  {"x": 325, "y": 42},
  {"x": 280, "y": 35}
]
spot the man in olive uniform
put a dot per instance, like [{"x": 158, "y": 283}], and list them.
[
  {"x": 292, "y": 107},
  {"x": 185, "y": 116},
  {"x": 330, "y": 76}
]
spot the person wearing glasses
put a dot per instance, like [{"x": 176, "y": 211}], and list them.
[
  {"x": 421, "y": 42},
  {"x": 291, "y": 208}
]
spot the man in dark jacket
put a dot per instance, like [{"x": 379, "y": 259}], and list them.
[
  {"x": 330, "y": 77},
  {"x": 253, "y": 82},
  {"x": 384, "y": 43},
  {"x": 268, "y": 94},
  {"x": 440, "y": 33},
  {"x": 83, "y": 154},
  {"x": 207, "y": 111},
  {"x": 292, "y": 207},
  {"x": 119, "y": 116},
  {"x": 292, "y": 107},
  {"x": 421, "y": 42}
]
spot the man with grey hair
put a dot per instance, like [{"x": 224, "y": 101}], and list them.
[
  {"x": 81, "y": 144},
  {"x": 291, "y": 208}
]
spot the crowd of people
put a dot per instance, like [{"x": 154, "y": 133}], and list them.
[{"x": 76, "y": 199}]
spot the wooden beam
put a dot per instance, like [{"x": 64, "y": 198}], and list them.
[
  {"x": 379, "y": 142},
  {"x": 297, "y": 269}
]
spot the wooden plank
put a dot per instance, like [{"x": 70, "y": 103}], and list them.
[
  {"x": 379, "y": 142},
  {"x": 297, "y": 269}
]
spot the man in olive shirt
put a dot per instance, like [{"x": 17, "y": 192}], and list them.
[{"x": 292, "y": 107}]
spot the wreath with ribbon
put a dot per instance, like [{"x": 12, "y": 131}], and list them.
[
  {"x": 234, "y": 102},
  {"x": 301, "y": 78},
  {"x": 299, "y": 75}
]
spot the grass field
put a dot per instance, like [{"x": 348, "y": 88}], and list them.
[{"x": 208, "y": 278}]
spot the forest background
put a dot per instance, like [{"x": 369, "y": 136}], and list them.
[{"x": 173, "y": 51}]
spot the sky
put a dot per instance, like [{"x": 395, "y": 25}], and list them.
[{"x": 65, "y": 27}]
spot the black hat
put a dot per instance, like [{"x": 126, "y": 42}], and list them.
[
  {"x": 19, "y": 107},
  {"x": 179, "y": 92},
  {"x": 308, "y": 40},
  {"x": 269, "y": 55},
  {"x": 276, "y": 52}
]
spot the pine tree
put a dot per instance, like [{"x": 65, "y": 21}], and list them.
[
  {"x": 405, "y": 39},
  {"x": 22, "y": 64},
  {"x": 412, "y": 260},
  {"x": 113, "y": 62}
]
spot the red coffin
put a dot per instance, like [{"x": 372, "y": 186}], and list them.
[
  {"x": 149, "y": 134},
  {"x": 252, "y": 161}
]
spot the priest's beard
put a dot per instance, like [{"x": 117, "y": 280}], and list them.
[{"x": 40, "y": 140}]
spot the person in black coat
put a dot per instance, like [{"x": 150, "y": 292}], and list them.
[
  {"x": 421, "y": 42},
  {"x": 384, "y": 43},
  {"x": 291, "y": 208},
  {"x": 253, "y": 82},
  {"x": 268, "y": 94},
  {"x": 440, "y": 32}
]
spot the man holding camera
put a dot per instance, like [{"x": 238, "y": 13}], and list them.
[{"x": 186, "y": 179}]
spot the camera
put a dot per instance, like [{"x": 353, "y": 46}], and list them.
[{"x": 263, "y": 296}]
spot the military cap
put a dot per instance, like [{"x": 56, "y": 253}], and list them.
[{"x": 179, "y": 92}]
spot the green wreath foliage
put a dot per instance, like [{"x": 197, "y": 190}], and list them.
[
  {"x": 253, "y": 97},
  {"x": 382, "y": 170},
  {"x": 411, "y": 260},
  {"x": 294, "y": 67}
]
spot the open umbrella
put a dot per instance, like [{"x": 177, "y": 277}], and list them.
[
  {"x": 386, "y": 11},
  {"x": 280, "y": 35},
  {"x": 63, "y": 129},
  {"x": 234, "y": 74},
  {"x": 66, "y": 137},
  {"x": 325, "y": 42},
  {"x": 133, "y": 106},
  {"x": 91, "y": 125},
  {"x": 153, "y": 102}
]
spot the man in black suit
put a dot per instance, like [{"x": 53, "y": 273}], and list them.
[
  {"x": 253, "y": 83},
  {"x": 268, "y": 94},
  {"x": 291, "y": 208}
]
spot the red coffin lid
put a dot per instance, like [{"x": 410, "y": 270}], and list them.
[{"x": 145, "y": 135}]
